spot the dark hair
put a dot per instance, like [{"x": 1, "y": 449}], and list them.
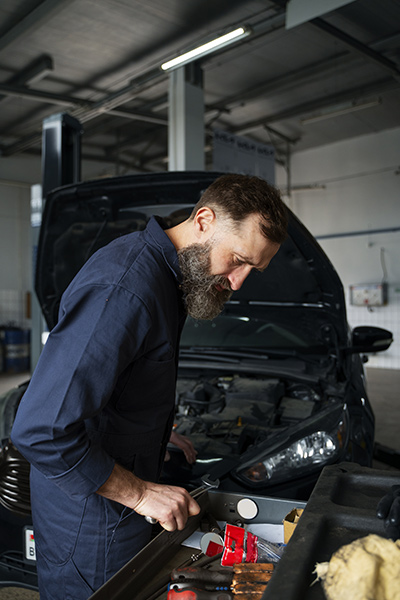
[{"x": 239, "y": 196}]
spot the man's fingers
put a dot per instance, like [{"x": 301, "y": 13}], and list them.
[
  {"x": 173, "y": 521},
  {"x": 193, "y": 508},
  {"x": 177, "y": 516},
  {"x": 184, "y": 443},
  {"x": 190, "y": 455},
  {"x": 167, "y": 525},
  {"x": 170, "y": 505}
]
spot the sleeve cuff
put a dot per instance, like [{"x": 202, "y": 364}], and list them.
[{"x": 87, "y": 475}]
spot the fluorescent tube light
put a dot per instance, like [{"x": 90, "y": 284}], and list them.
[
  {"x": 207, "y": 48},
  {"x": 337, "y": 112}
]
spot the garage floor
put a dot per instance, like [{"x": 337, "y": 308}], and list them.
[{"x": 384, "y": 394}]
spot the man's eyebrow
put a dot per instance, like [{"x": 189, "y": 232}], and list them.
[{"x": 247, "y": 260}]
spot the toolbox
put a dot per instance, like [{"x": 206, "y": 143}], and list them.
[
  {"x": 146, "y": 575},
  {"x": 341, "y": 509}
]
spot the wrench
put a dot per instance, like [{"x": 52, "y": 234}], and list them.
[{"x": 207, "y": 484}]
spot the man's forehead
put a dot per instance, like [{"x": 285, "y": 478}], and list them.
[
  {"x": 255, "y": 250},
  {"x": 259, "y": 261},
  {"x": 247, "y": 240}
]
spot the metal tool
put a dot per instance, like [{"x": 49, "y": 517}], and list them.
[
  {"x": 244, "y": 581},
  {"x": 207, "y": 483},
  {"x": 183, "y": 591}
]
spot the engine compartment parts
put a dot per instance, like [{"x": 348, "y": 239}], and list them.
[{"x": 252, "y": 420}]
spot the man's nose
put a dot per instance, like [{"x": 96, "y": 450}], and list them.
[{"x": 237, "y": 277}]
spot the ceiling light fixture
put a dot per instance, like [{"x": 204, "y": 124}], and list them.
[
  {"x": 343, "y": 109},
  {"x": 207, "y": 48}
]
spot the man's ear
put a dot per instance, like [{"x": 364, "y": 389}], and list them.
[{"x": 204, "y": 223}]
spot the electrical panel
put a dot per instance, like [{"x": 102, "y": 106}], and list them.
[{"x": 370, "y": 294}]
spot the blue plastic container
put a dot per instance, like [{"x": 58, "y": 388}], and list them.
[{"x": 16, "y": 347}]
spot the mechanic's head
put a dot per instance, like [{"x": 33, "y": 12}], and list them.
[
  {"x": 235, "y": 197},
  {"x": 238, "y": 225}
]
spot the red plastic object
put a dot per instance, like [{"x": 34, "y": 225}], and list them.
[
  {"x": 233, "y": 546},
  {"x": 239, "y": 546},
  {"x": 181, "y": 595},
  {"x": 251, "y": 548}
]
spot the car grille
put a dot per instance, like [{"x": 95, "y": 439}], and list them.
[{"x": 14, "y": 481}]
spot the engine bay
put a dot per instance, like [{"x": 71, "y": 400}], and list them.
[{"x": 229, "y": 414}]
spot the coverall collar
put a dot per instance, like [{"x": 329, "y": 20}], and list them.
[{"x": 155, "y": 229}]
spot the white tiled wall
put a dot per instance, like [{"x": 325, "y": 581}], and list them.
[
  {"x": 353, "y": 211},
  {"x": 13, "y": 309},
  {"x": 387, "y": 317}
]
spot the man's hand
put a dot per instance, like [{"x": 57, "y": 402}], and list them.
[
  {"x": 184, "y": 443},
  {"x": 170, "y": 505}
]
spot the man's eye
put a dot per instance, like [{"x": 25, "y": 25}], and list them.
[{"x": 238, "y": 261}]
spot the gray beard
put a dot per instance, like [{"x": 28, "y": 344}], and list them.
[{"x": 202, "y": 299}]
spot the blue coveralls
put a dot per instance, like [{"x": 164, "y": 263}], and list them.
[{"x": 103, "y": 391}]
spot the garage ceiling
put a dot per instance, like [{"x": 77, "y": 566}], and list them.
[{"x": 98, "y": 60}]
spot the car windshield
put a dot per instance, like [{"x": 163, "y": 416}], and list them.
[{"x": 258, "y": 328}]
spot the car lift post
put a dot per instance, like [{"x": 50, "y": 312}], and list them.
[{"x": 61, "y": 165}]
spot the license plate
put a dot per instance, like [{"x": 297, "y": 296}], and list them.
[{"x": 29, "y": 545}]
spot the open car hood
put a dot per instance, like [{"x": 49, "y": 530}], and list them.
[{"x": 80, "y": 218}]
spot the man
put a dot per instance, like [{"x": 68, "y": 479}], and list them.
[{"x": 98, "y": 413}]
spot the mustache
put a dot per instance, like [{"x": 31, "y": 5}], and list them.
[{"x": 218, "y": 280}]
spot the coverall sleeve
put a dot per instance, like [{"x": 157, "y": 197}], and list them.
[{"x": 100, "y": 332}]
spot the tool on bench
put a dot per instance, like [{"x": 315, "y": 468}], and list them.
[
  {"x": 198, "y": 594},
  {"x": 243, "y": 582}
]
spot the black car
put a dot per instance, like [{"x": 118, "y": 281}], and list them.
[{"x": 270, "y": 392}]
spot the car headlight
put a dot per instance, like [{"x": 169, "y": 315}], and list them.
[{"x": 303, "y": 455}]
